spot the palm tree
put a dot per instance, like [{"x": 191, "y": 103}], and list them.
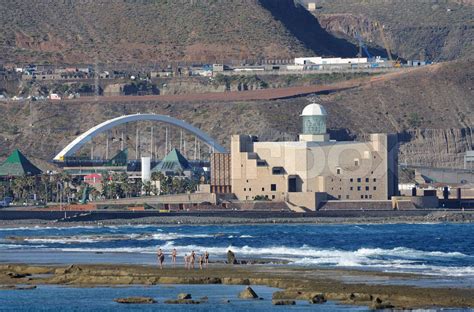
[{"x": 147, "y": 188}]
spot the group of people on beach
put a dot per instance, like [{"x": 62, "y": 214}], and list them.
[{"x": 189, "y": 260}]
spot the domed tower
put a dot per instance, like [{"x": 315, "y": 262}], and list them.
[{"x": 314, "y": 124}]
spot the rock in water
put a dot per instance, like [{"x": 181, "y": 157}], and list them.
[
  {"x": 318, "y": 299},
  {"x": 184, "y": 296},
  {"x": 182, "y": 301},
  {"x": 360, "y": 297},
  {"x": 16, "y": 275},
  {"x": 284, "y": 302},
  {"x": 135, "y": 300},
  {"x": 378, "y": 304},
  {"x": 248, "y": 293}
]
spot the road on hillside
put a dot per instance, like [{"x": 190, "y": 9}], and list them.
[{"x": 253, "y": 95}]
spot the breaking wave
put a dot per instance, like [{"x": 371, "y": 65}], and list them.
[{"x": 398, "y": 259}]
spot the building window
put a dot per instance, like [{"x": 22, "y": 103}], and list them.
[
  {"x": 358, "y": 188},
  {"x": 359, "y": 180},
  {"x": 375, "y": 180},
  {"x": 361, "y": 196},
  {"x": 351, "y": 180},
  {"x": 366, "y": 188},
  {"x": 366, "y": 196},
  {"x": 338, "y": 170},
  {"x": 370, "y": 196},
  {"x": 273, "y": 196},
  {"x": 356, "y": 162},
  {"x": 352, "y": 188},
  {"x": 339, "y": 196},
  {"x": 263, "y": 189},
  {"x": 273, "y": 187},
  {"x": 245, "y": 189},
  {"x": 278, "y": 171},
  {"x": 250, "y": 190},
  {"x": 367, "y": 180},
  {"x": 375, "y": 188},
  {"x": 347, "y": 196}
]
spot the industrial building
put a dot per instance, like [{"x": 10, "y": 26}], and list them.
[{"x": 312, "y": 170}]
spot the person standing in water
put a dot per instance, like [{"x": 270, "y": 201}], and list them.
[
  {"x": 186, "y": 261},
  {"x": 201, "y": 261},
  {"x": 193, "y": 259},
  {"x": 161, "y": 258},
  {"x": 206, "y": 258},
  {"x": 174, "y": 253}
]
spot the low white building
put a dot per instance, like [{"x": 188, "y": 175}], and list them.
[{"x": 329, "y": 61}]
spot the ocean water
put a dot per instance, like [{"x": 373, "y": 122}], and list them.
[
  {"x": 437, "y": 250},
  {"x": 55, "y": 298}
]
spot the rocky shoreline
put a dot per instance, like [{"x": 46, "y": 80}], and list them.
[
  {"x": 435, "y": 217},
  {"x": 318, "y": 285}
]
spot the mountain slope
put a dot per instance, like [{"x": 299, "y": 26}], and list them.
[{"x": 131, "y": 31}]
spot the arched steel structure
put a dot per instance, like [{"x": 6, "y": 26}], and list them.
[{"x": 87, "y": 136}]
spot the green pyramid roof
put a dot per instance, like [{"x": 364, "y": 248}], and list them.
[
  {"x": 173, "y": 162},
  {"x": 18, "y": 165},
  {"x": 120, "y": 159}
]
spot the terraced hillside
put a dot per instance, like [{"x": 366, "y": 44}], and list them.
[
  {"x": 431, "y": 30},
  {"x": 431, "y": 108},
  {"x": 130, "y": 31}
]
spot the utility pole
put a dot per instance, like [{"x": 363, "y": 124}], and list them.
[
  {"x": 136, "y": 145},
  {"x": 121, "y": 143},
  {"x": 195, "y": 148},
  {"x": 92, "y": 150},
  {"x": 166, "y": 140},
  {"x": 107, "y": 146},
  {"x": 151, "y": 144},
  {"x": 181, "y": 141}
]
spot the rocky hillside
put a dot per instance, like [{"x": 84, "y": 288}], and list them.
[
  {"x": 130, "y": 31},
  {"x": 431, "y": 108},
  {"x": 430, "y": 30}
]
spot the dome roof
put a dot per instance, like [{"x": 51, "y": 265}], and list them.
[{"x": 314, "y": 110}]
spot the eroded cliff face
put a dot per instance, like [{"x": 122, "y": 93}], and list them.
[
  {"x": 430, "y": 30},
  {"x": 435, "y": 147},
  {"x": 430, "y": 42}
]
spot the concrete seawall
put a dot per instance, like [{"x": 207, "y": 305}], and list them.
[{"x": 109, "y": 215}]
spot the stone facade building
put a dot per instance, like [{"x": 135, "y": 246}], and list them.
[{"x": 314, "y": 169}]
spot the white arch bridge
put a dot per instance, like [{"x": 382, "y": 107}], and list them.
[{"x": 87, "y": 136}]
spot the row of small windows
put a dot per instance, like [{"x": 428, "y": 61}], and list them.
[
  {"x": 359, "y": 188},
  {"x": 273, "y": 188},
  {"x": 359, "y": 180},
  {"x": 361, "y": 197},
  {"x": 367, "y": 188}
]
